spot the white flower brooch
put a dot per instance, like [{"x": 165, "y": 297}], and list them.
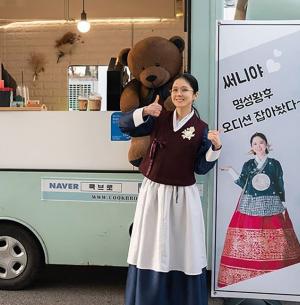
[{"x": 188, "y": 133}]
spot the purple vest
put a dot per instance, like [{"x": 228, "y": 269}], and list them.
[{"x": 171, "y": 157}]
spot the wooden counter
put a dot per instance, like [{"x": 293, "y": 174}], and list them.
[{"x": 39, "y": 108}]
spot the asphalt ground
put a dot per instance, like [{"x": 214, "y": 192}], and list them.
[
  {"x": 78, "y": 285},
  {"x": 69, "y": 285}
]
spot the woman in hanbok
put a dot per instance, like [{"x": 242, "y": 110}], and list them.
[
  {"x": 260, "y": 237},
  {"x": 167, "y": 256}
]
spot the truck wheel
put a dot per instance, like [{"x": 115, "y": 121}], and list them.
[{"x": 20, "y": 257}]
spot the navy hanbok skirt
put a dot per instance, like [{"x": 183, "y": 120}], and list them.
[{"x": 148, "y": 287}]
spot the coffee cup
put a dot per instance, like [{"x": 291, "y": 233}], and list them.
[
  {"x": 82, "y": 103},
  {"x": 95, "y": 102}
]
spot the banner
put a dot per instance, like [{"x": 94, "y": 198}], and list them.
[{"x": 257, "y": 202}]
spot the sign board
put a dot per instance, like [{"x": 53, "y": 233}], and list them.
[
  {"x": 256, "y": 217},
  {"x": 85, "y": 190},
  {"x": 116, "y": 133}
]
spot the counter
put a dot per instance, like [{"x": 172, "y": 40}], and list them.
[
  {"x": 38, "y": 108},
  {"x": 60, "y": 140}
]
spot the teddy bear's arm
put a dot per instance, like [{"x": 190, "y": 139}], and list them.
[
  {"x": 241, "y": 9},
  {"x": 130, "y": 96},
  {"x": 127, "y": 125}
]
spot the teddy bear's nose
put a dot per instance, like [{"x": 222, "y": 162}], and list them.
[{"x": 151, "y": 78}]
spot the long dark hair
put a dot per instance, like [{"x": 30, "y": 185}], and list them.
[
  {"x": 262, "y": 136},
  {"x": 193, "y": 83}
]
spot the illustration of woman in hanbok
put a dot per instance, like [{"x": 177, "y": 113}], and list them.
[{"x": 260, "y": 237}]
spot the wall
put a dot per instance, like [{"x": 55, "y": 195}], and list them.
[
  {"x": 100, "y": 44},
  {"x": 203, "y": 47}
]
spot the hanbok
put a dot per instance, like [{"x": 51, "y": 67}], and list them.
[
  {"x": 167, "y": 254},
  {"x": 260, "y": 237}
]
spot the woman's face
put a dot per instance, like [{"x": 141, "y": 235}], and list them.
[
  {"x": 182, "y": 94},
  {"x": 259, "y": 146}
]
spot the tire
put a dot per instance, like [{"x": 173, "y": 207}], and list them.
[{"x": 20, "y": 257}]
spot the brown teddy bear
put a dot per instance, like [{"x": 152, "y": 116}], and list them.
[
  {"x": 153, "y": 62},
  {"x": 241, "y": 9}
]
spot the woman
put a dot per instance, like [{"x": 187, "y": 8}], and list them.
[
  {"x": 167, "y": 256},
  {"x": 260, "y": 237}
]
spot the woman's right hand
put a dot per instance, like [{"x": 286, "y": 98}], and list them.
[{"x": 153, "y": 109}]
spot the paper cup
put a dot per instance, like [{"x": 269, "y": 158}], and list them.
[
  {"x": 82, "y": 103},
  {"x": 95, "y": 103}
]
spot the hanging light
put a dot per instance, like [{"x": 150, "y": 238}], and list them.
[{"x": 83, "y": 25}]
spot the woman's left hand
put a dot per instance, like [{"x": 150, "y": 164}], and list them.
[{"x": 214, "y": 137}]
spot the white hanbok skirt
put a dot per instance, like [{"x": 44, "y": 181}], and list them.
[{"x": 168, "y": 231}]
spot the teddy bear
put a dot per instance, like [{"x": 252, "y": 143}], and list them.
[
  {"x": 241, "y": 9},
  {"x": 154, "y": 62}
]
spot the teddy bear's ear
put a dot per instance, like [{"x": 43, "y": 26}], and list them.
[
  {"x": 122, "y": 58},
  {"x": 179, "y": 42}
]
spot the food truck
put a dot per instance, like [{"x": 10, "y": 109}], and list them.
[{"x": 68, "y": 192}]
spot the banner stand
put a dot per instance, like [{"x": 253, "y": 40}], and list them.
[
  {"x": 237, "y": 301},
  {"x": 253, "y": 256}
]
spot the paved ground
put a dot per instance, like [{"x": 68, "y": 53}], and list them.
[{"x": 69, "y": 285}]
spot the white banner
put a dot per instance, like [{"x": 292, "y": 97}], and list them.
[{"x": 256, "y": 217}]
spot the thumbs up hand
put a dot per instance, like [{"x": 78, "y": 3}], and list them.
[{"x": 153, "y": 109}]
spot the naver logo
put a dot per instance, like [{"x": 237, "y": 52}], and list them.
[{"x": 63, "y": 186}]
